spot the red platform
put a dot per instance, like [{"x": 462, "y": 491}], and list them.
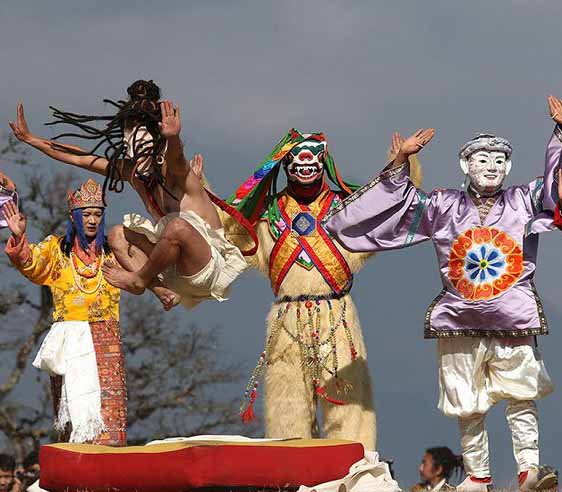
[{"x": 193, "y": 465}]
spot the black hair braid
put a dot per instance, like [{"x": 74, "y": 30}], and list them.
[
  {"x": 451, "y": 463},
  {"x": 141, "y": 109}
]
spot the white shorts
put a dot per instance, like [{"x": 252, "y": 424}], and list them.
[
  {"x": 213, "y": 281},
  {"x": 476, "y": 373}
]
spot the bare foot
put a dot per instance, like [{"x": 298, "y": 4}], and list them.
[
  {"x": 167, "y": 297},
  {"x": 122, "y": 279}
]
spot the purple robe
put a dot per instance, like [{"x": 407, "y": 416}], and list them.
[{"x": 487, "y": 268}]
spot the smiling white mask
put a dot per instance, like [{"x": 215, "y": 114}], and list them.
[{"x": 487, "y": 161}]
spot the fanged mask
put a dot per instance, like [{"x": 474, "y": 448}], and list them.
[{"x": 305, "y": 162}]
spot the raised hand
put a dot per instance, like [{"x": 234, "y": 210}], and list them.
[
  {"x": 412, "y": 145},
  {"x": 171, "y": 123},
  {"x": 19, "y": 127},
  {"x": 555, "y": 108},
  {"x": 397, "y": 141},
  {"x": 16, "y": 221},
  {"x": 196, "y": 164}
]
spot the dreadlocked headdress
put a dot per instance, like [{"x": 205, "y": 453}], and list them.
[
  {"x": 141, "y": 113},
  {"x": 140, "y": 110},
  {"x": 258, "y": 192}
]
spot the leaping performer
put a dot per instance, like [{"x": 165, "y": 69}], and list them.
[
  {"x": 82, "y": 351},
  {"x": 488, "y": 314},
  {"x": 142, "y": 146},
  {"x": 314, "y": 354}
]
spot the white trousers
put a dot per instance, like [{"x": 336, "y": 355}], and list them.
[{"x": 477, "y": 373}]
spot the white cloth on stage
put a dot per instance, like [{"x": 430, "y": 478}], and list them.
[
  {"x": 213, "y": 281},
  {"x": 367, "y": 475},
  {"x": 68, "y": 351},
  {"x": 212, "y": 437},
  {"x": 34, "y": 487}
]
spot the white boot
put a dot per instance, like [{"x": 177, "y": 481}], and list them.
[
  {"x": 470, "y": 484},
  {"x": 541, "y": 478}
]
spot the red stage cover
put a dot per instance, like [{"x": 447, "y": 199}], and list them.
[{"x": 190, "y": 465}]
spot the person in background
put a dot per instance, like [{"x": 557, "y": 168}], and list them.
[
  {"x": 438, "y": 465},
  {"x": 8, "y": 481},
  {"x": 30, "y": 473}
]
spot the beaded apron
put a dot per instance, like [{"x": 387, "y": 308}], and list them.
[{"x": 301, "y": 240}]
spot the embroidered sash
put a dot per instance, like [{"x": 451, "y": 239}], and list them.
[{"x": 303, "y": 235}]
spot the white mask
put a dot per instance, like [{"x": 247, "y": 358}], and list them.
[
  {"x": 139, "y": 140},
  {"x": 487, "y": 170},
  {"x": 306, "y": 165}
]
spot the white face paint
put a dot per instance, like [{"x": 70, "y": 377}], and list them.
[
  {"x": 486, "y": 170},
  {"x": 307, "y": 164}
]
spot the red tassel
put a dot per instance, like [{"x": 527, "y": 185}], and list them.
[
  {"x": 248, "y": 414},
  {"x": 321, "y": 391}
]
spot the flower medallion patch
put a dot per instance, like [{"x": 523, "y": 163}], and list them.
[{"x": 484, "y": 262}]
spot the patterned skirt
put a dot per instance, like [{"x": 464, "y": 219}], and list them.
[{"x": 111, "y": 370}]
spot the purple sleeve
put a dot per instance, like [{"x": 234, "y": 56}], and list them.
[
  {"x": 388, "y": 213},
  {"x": 541, "y": 195},
  {"x": 552, "y": 164}
]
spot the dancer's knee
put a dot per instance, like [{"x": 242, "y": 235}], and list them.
[{"x": 178, "y": 230}]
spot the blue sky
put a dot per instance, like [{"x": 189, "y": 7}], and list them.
[{"x": 246, "y": 71}]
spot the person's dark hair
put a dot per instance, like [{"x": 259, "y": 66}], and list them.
[
  {"x": 450, "y": 463},
  {"x": 31, "y": 459},
  {"x": 7, "y": 462},
  {"x": 141, "y": 109}
]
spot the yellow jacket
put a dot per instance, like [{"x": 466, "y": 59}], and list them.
[{"x": 76, "y": 297}]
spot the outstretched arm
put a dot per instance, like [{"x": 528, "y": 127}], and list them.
[
  {"x": 36, "y": 262},
  {"x": 177, "y": 166},
  {"x": 56, "y": 150},
  {"x": 553, "y": 156},
  {"x": 390, "y": 212}
]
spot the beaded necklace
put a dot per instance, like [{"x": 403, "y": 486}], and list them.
[
  {"x": 89, "y": 273},
  {"x": 484, "y": 203}
]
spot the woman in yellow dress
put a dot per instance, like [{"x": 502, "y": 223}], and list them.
[{"x": 82, "y": 351}]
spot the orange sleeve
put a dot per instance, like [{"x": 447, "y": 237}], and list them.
[
  {"x": 18, "y": 250},
  {"x": 35, "y": 261}
]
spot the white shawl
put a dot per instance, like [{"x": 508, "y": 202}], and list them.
[{"x": 68, "y": 351}]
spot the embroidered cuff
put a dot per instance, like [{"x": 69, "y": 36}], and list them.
[
  {"x": 558, "y": 132},
  {"x": 386, "y": 173},
  {"x": 18, "y": 251}
]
